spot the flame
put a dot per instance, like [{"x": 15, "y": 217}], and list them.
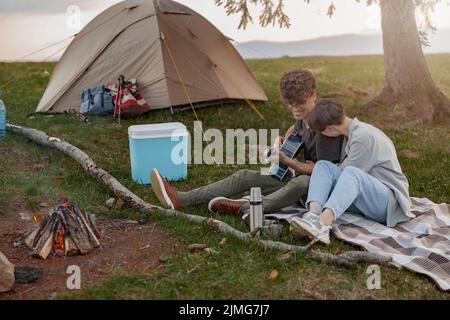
[
  {"x": 58, "y": 241},
  {"x": 37, "y": 218},
  {"x": 38, "y": 215}
]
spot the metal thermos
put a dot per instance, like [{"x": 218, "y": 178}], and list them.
[{"x": 256, "y": 210}]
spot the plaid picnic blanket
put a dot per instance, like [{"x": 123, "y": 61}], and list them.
[{"x": 421, "y": 245}]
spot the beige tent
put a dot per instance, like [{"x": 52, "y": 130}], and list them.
[{"x": 177, "y": 56}]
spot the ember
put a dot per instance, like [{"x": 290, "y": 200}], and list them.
[
  {"x": 68, "y": 230},
  {"x": 38, "y": 215}
]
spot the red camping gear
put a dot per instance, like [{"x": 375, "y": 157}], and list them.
[{"x": 128, "y": 103}]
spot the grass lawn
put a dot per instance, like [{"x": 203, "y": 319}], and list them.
[{"x": 241, "y": 269}]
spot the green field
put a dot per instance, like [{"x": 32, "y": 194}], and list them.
[{"x": 240, "y": 270}]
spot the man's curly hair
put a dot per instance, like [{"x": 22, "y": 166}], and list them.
[{"x": 297, "y": 86}]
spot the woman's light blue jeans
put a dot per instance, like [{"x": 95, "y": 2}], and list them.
[{"x": 350, "y": 190}]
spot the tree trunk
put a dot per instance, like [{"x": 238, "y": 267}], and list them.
[{"x": 409, "y": 90}]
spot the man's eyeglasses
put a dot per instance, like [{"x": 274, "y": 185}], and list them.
[{"x": 296, "y": 106}]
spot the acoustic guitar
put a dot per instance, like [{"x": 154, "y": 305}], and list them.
[{"x": 290, "y": 147}]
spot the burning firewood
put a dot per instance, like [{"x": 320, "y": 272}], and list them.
[{"x": 68, "y": 230}]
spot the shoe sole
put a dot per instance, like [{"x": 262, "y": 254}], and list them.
[
  {"x": 160, "y": 191},
  {"x": 305, "y": 230},
  {"x": 216, "y": 199}
]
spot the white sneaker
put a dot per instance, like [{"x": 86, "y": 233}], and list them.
[
  {"x": 312, "y": 226},
  {"x": 300, "y": 232},
  {"x": 310, "y": 215}
]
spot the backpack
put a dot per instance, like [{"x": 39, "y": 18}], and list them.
[{"x": 97, "y": 101}]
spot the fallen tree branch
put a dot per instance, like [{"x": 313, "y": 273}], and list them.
[{"x": 347, "y": 259}]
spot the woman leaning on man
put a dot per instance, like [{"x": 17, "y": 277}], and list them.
[{"x": 369, "y": 180}]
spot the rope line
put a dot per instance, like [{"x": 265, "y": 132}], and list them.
[
  {"x": 6, "y": 83},
  {"x": 253, "y": 106},
  {"x": 250, "y": 103},
  {"x": 19, "y": 76},
  {"x": 55, "y": 53},
  {"x": 179, "y": 75},
  {"x": 45, "y": 48}
]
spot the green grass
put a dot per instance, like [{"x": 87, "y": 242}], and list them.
[{"x": 240, "y": 270}]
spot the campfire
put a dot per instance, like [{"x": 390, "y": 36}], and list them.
[{"x": 68, "y": 231}]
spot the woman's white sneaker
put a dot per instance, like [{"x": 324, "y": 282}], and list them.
[{"x": 312, "y": 226}]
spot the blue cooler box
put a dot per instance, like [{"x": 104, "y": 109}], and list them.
[{"x": 163, "y": 146}]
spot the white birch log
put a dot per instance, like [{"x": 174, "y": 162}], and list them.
[{"x": 347, "y": 259}]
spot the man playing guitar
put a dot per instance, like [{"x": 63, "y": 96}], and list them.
[{"x": 298, "y": 92}]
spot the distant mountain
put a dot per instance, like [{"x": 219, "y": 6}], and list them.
[{"x": 340, "y": 45}]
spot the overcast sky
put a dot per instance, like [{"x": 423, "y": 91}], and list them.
[{"x": 28, "y": 25}]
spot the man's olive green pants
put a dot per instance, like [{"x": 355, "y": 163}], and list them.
[{"x": 276, "y": 194}]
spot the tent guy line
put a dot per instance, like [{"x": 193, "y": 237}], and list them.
[
  {"x": 204, "y": 77},
  {"x": 73, "y": 37}
]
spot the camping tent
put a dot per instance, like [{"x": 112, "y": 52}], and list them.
[{"x": 177, "y": 56}]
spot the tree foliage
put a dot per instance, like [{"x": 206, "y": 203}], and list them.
[{"x": 272, "y": 12}]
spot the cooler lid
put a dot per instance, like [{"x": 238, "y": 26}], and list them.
[{"x": 157, "y": 130}]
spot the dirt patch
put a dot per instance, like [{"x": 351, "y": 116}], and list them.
[{"x": 126, "y": 246}]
